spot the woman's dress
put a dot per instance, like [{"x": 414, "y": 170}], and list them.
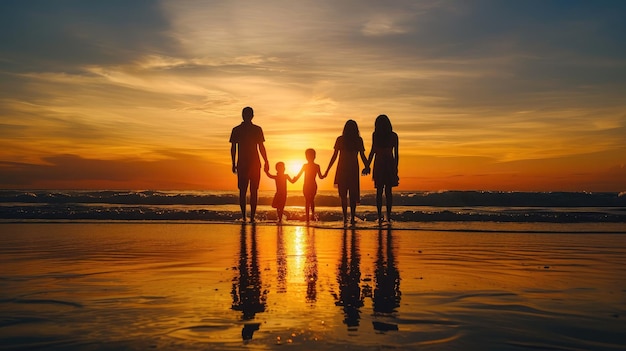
[
  {"x": 385, "y": 171},
  {"x": 348, "y": 173}
]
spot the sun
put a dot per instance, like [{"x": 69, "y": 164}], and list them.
[{"x": 292, "y": 167}]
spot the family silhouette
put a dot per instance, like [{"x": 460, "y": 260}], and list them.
[{"x": 247, "y": 143}]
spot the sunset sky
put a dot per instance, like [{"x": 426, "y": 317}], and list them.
[{"x": 484, "y": 95}]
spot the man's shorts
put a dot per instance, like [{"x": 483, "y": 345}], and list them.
[{"x": 248, "y": 175}]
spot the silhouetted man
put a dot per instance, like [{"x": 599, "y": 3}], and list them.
[{"x": 247, "y": 139}]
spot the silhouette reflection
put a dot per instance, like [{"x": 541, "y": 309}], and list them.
[
  {"x": 247, "y": 293},
  {"x": 310, "y": 267},
  {"x": 349, "y": 279},
  {"x": 386, "y": 297},
  {"x": 387, "y": 276},
  {"x": 281, "y": 261}
]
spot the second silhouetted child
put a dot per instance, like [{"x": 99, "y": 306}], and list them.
[
  {"x": 311, "y": 171},
  {"x": 280, "y": 198}
]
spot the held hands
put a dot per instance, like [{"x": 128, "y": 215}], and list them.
[
  {"x": 266, "y": 167},
  {"x": 365, "y": 170}
]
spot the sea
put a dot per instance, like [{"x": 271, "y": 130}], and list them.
[
  {"x": 179, "y": 270},
  {"x": 449, "y": 210}
]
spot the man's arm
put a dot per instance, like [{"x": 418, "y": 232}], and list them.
[
  {"x": 233, "y": 153},
  {"x": 264, "y": 155}
]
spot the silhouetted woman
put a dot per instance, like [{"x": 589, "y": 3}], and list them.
[
  {"x": 385, "y": 154},
  {"x": 348, "y": 147}
]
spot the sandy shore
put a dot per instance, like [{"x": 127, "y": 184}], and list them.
[{"x": 99, "y": 286}]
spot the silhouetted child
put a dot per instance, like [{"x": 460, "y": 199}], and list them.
[
  {"x": 280, "y": 198},
  {"x": 311, "y": 170}
]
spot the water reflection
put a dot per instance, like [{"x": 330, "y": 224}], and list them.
[
  {"x": 310, "y": 267},
  {"x": 387, "y": 276},
  {"x": 298, "y": 270},
  {"x": 349, "y": 279},
  {"x": 247, "y": 293},
  {"x": 386, "y": 297},
  {"x": 281, "y": 261}
]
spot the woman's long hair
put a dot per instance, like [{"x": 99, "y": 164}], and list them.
[
  {"x": 350, "y": 134},
  {"x": 383, "y": 131}
]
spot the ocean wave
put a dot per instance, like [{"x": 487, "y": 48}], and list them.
[
  {"x": 324, "y": 198},
  {"x": 449, "y": 206},
  {"x": 231, "y": 213}
]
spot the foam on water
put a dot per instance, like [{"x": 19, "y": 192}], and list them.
[{"x": 409, "y": 207}]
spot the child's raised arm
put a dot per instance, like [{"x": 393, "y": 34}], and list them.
[
  {"x": 299, "y": 174},
  {"x": 267, "y": 172}
]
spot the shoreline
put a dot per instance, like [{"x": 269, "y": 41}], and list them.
[{"x": 464, "y": 226}]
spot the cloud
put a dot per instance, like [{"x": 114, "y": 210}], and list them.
[
  {"x": 175, "y": 171},
  {"x": 63, "y": 35},
  {"x": 500, "y": 80}
]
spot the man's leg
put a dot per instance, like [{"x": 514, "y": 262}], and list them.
[
  {"x": 254, "y": 194},
  {"x": 242, "y": 201},
  {"x": 242, "y": 183},
  {"x": 255, "y": 178}
]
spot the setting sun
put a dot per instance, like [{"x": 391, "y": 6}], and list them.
[{"x": 293, "y": 167}]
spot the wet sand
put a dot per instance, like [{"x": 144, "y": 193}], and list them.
[{"x": 171, "y": 286}]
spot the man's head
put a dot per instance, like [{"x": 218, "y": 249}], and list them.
[{"x": 247, "y": 113}]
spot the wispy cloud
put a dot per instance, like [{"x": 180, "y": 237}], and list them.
[{"x": 490, "y": 80}]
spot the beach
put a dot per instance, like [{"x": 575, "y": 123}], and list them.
[
  {"x": 313, "y": 175},
  {"x": 228, "y": 286}
]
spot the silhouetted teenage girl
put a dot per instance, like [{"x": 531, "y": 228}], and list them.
[
  {"x": 385, "y": 154},
  {"x": 348, "y": 146}
]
